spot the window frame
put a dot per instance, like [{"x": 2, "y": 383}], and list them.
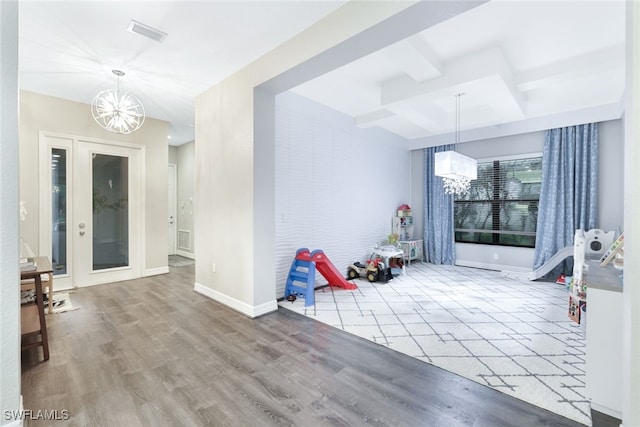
[{"x": 495, "y": 205}]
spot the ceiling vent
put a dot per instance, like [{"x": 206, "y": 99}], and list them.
[{"x": 147, "y": 31}]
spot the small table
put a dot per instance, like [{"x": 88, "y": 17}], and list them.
[
  {"x": 386, "y": 252},
  {"x": 32, "y": 319},
  {"x": 412, "y": 249}
]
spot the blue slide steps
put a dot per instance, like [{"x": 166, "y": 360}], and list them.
[{"x": 301, "y": 279}]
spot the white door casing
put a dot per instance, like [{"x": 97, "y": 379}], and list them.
[{"x": 80, "y": 231}]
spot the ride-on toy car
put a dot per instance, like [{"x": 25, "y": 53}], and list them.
[{"x": 374, "y": 270}]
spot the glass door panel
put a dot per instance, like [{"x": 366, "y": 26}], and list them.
[
  {"x": 59, "y": 210},
  {"x": 110, "y": 211}
]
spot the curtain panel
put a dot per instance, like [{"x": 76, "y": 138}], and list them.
[
  {"x": 439, "y": 240},
  {"x": 569, "y": 192}
]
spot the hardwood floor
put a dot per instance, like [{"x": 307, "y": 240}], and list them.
[{"x": 152, "y": 352}]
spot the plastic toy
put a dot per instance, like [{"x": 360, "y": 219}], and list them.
[{"x": 374, "y": 270}]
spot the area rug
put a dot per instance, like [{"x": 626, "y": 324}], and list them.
[
  {"x": 513, "y": 336},
  {"x": 61, "y": 303}
]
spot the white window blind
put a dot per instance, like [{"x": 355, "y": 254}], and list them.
[{"x": 501, "y": 207}]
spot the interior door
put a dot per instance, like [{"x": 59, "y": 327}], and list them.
[
  {"x": 106, "y": 229},
  {"x": 172, "y": 212},
  {"x": 91, "y": 209}
]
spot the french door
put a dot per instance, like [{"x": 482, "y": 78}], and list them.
[{"x": 91, "y": 209}]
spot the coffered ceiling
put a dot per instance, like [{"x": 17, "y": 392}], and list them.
[{"x": 513, "y": 60}]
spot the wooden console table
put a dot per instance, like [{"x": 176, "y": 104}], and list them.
[{"x": 33, "y": 323}]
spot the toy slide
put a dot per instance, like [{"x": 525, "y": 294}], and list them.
[
  {"x": 545, "y": 268},
  {"x": 326, "y": 268}
]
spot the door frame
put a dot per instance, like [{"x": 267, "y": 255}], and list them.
[
  {"x": 173, "y": 175},
  {"x": 70, "y": 143}
]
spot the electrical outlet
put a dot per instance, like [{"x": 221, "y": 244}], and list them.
[{"x": 213, "y": 267}]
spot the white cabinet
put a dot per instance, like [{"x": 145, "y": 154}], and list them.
[
  {"x": 412, "y": 249},
  {"x": 604, "y": 339}
]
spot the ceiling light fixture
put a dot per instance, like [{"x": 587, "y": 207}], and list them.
[
  {"x": 117, "y": 112},
  {"x": 456, "y": 170}
]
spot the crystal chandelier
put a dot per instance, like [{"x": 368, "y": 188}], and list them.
[
  {"x": 456, "y": 170},
  {"x": 117, "y": 112}
]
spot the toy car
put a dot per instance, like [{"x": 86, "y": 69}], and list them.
[{"x": 374, "y": 270}]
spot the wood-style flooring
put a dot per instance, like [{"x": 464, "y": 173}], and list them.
[{"x": 152, "y": 352}]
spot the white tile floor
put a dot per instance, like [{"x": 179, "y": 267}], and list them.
[{"x": 514, "y": 336}]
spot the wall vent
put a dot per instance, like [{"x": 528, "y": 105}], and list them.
[{"x": 184, "y": 240}]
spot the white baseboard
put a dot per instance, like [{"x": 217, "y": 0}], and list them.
[
  {"x": 606, "y": 410},
  {"x": 186, "y": 254},
  {"x": 156, "y": 271},
  {"x": 483, "y": 265},
  {"x": 237, "y": 305},
  {"x": 14, "y": 423},
  {"x": 17, "y": 422}
]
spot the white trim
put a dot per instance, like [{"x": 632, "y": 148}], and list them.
[
  {"x": 237, "y": 305},
  {"x": 156, "y": 271},
  {"x": 483, "y": 265},
  {"x": 599, "y": 113},
  {"x": 47, "y": 141},
  {"x": 15, "y": 423},
  {"x": 186, "y": 254},
  {"x": 512, "y": 157},
  {"x": 607, "y": 411}
]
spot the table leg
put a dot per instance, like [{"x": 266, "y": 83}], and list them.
[
  {"x": 43, "y": 322},
  {"x": 50, "y": 292}
]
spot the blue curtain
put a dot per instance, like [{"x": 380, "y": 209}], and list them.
[
  {"x": 569, "y": 193},
  {"x": 438, "y": 213}
]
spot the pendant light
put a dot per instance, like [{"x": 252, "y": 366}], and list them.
[
  {"x": 117, "y": 112},
  {"x": 456, "y": 170}
]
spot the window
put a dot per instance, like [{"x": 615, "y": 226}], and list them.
[{"x": 501, "y": 208}]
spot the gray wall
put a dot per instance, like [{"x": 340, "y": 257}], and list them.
[{"x": 497, "y": 257}]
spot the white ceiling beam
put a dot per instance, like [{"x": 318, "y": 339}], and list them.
[
  {"x": 457, "y": 73},
  {"x": 415, "y": 58},
  {"x": 556, "y": 72},
  {"x": 426, "y": 117}
]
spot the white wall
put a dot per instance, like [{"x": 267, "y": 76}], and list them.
[
  {"x": 46, "y": 113},
  {"x": 9, "y": 276},
  {"x": 631, "y": 314},
  {"x": 337, "y": 186},
  {"x": 235, "y": 140},
  {"x": 610, "y": 184}
]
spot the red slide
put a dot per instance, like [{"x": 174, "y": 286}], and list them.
[{"x": 327, "y": 269}]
